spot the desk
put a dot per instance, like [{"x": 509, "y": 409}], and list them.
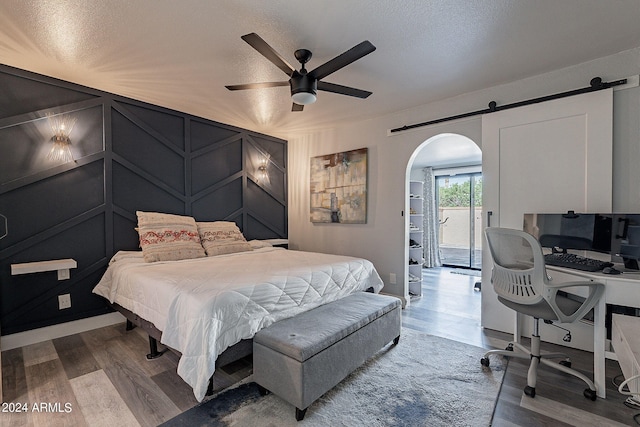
[{"x": 622, "y": 289}]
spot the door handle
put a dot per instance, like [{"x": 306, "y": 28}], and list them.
[{"x": 489, "y": 213}]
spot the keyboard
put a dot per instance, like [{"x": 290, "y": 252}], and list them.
[{"x": 576, "y": 262}]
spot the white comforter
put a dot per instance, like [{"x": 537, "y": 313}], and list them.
[{"x": 202, "y": 306}]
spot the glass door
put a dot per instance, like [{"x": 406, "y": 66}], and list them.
[{"x": 459, "y": 199}]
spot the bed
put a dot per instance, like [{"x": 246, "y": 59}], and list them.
[{"x": 204, "y": 306}]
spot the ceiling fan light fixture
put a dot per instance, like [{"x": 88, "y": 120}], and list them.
[
  {"x": 303, "y": 88},
  {"x": 303, "y": 83},
  {"x": 304, "y": 98}
]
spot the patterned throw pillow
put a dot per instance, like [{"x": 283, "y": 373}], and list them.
[
  {"x": 166, "y": 237},
  {"x": 222, "y": 237}
]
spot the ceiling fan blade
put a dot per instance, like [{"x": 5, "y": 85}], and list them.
[
  {"x": 297, "y": 107},
  {"x": 343, "y": 90},
  {"x": 256, "y": 85},
  {"x": 268, "y": 52},
  {"x": 342, "y": 60}
]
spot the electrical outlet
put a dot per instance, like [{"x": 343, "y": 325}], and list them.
[
  {"x": 392, "y": 278},
  {"x": 64, "y": 301}
]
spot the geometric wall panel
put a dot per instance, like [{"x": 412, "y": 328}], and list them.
[
  {"x": 124, "y": 233},
  {"x": 30, "y": 142},
  {"x": 220, "y": 203},
  {"x": 133, "y": 192},
  {"x": 216, "y": 164},
  {"x": 169, "y": 125},
  {"x": 147, "y": 152},
  {"x": 277, "y": 151},
  {"x": 69, "y": 243},
  {"x": 129, "y": 156},
  {"x": 43, "y": 204},
  {"x": 203, "y": 135},
  {"x": 26, "y": 142},
  {"x": 32, "y": 309},
  {"x": 265, "y": 208},
  {"x": 34, "y": 94},
  {"x": 258, "y": 229}
]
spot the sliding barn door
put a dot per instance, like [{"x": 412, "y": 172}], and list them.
[{"x": 550, "y": 157}]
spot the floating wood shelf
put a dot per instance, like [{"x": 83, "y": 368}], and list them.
[{"x": 62, "y": 266}]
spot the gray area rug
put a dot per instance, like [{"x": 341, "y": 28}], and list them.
[{"x": 423, "y": 381}]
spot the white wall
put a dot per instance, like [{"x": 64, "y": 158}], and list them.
[{"x": 382, "y": 239}]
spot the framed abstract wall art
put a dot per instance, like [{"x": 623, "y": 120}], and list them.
[{"x": 339, "y": 187}]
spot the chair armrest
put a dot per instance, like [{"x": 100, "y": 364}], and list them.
[
  {"x": 596, "y": 290},
  {"x": 561, "y": 285}
]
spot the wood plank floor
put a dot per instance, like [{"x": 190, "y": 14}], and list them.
[
  {"x": 99, "y": 378},
  {"x": 102, "y": 377}
]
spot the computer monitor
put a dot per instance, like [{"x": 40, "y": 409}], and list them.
[
  {"x": 625, "y": 239},
  {"x": 577, "y": 231},
  {"x": 615, "y": 234}
]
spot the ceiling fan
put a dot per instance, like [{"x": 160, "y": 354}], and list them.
[{"x": 303, "y": 83}]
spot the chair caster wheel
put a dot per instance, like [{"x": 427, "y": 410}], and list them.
[
  {"x": 590, "y": 394},
  {"x": 484, "y": 361},
  {"x": 530, "y": 391},
  {"x": 566, "y": 363}
]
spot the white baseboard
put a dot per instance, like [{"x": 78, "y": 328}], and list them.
[{"x": 34, "y": 336}]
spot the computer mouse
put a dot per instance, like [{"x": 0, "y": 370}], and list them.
[{"x": 610, "y": 270}]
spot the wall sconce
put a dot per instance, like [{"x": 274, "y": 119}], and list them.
[
  {"x": 61, "y": 125},
  {"x": 262, "y": 172}
]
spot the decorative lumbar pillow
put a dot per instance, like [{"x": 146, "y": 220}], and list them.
[
  {"x": 166, "y": 237},
  {"x": 222, "y": 237}
]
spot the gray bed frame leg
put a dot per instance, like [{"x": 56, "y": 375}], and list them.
[
  {"x": 130, "y": 326},
  {"x": 300, "y": 413},
  {"x": 153, "y": 347},
  {"x": 210, "y": 387}
]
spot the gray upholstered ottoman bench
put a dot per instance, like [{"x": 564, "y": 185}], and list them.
[{"x": 301, "y": 358}]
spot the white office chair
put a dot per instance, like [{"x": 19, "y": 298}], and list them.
[{"x": 520, "y": 280}]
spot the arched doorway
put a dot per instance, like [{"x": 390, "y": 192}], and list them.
[{"x": 447, "y": 220}]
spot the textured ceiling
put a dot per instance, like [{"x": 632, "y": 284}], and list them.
[{"x": 180, "y": 54}]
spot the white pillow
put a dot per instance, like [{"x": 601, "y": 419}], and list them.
[{"x": 222, "y": 237}]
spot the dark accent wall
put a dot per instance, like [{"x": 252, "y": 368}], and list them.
[{"x": 130, "y": 156}]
